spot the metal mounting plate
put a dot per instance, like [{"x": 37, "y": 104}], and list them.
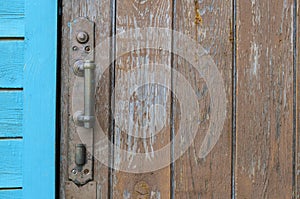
[
  {"x": 81, "y": 37},
  {"x": 79, "y": 50}
]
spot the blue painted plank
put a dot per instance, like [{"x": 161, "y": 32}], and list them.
[
  {"x": 11, "y": 163},
  {"x": 11, "y": 26},
  {"x": 40, "y": 99},
  {"x": 11, "y": 64},
  {"x": 12, "y": 7},
  {"x": 11, "y": 113},
  {"x": 11, "y": 194}
]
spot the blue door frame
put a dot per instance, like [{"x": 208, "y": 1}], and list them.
[{"x": 39, "y": 99}]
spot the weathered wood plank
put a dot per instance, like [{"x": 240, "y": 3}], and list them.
[
  {"x": 264, "y": 99},
  {"x": 12, "y": 26},
  {"x": 12, "y": 7},
  {"x": 99, "y": 12},
  {"x": 11, "y": 194},
  {"x": 135, "y": 112},
  {"x": 11, "y": 64},
  {"x": 10, "y": 163},
  {"x": 11, "y": 113},
  {"x": 297, "y": 169},
  {"x": 208, "y": 23}
]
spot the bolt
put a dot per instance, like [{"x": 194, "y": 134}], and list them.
[
  {"x": 86, "y": 171},
  {"x": 75, "y": 48},
  {"x": 87, "y": 49},
  {"x": 82, "y": 37},
  {"x": 74, "y": 171}
]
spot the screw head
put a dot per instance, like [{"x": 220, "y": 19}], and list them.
[
  {"x": 87, "y": 48},
  {"x": 74, "y": 171},
  {"x": 74, "y": 48},
  {"x": 82, "y": 37},
  {"x": 86, "y": 171}
]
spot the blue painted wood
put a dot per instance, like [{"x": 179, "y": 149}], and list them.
[
  {"x": 11, "y": 64},
  {"x": 11, "y": 114},
  {"x": 40, "y": 99},
  {"x": 11, "y": 26},
  {"x": 11, "y": 163},
  {"x": 12, "y": 7},
  {"x": 11, "y": 194}
]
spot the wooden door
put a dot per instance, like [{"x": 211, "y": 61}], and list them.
[{"x": 236, "y": 60}]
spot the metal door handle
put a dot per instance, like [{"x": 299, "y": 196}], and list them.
[{"x": 86, "y": 118}]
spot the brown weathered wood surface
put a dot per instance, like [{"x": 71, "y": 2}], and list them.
[
  {"x": 297, "y": 158},
  {"x": 264, "y": 121},
  {"x": 133, "y": 15},
  {"x": 264, "y": 99},
  {"x": 99, "y": 12},
  {"x": 209, "y": 24}
]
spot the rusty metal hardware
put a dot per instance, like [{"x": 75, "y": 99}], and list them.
[
  {"x": 82, "y": 37},
  {"x": 82, "y": 41},
  {"x": 80, "y": 164},
  {"x": 81, "y": 169}
]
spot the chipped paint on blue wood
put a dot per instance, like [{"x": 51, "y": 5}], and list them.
[
  {"x": 11, "y": 194},
  {"x": 11, "y": 113},
  {"x": 11, "y": 26},
  {"x": 11, "y": 163},
  {"x": 11, "y": 64},
  {"x": 12, "y": 7},
  {"x": 39, "y": 99}
]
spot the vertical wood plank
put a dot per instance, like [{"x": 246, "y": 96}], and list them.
[
  {"x": 209, "y": 24},
  {"x": 97, "y": 11},
  {"x": 297, "y": 169},
  {"x": 155, "y": 184},
  {"x": 264, "y": 99},
  {"x": 40, "y": 99}
]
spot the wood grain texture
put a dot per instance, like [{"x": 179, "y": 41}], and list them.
[
  {"x": 12, "y": 26},
  {"x": 12, "y": 18},
  {"x": 99, "y": 12},
  {"x": 11, "y": 64},
  {"x": 264, "y": 99},
  {"x": 208, "y": 23},
  {"x": 297, "y": 169},
  {"x": 11, "y": 163},
  {"x": 12, "y": 7},
  {"x": 11, "y": 113},
  {"x": 39, "y": 161},
  {"x": 11, "y": 194},
  {"x": 138, "y": 108}
]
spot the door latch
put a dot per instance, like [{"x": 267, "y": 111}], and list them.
[{"x": 81, "y": 60}]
